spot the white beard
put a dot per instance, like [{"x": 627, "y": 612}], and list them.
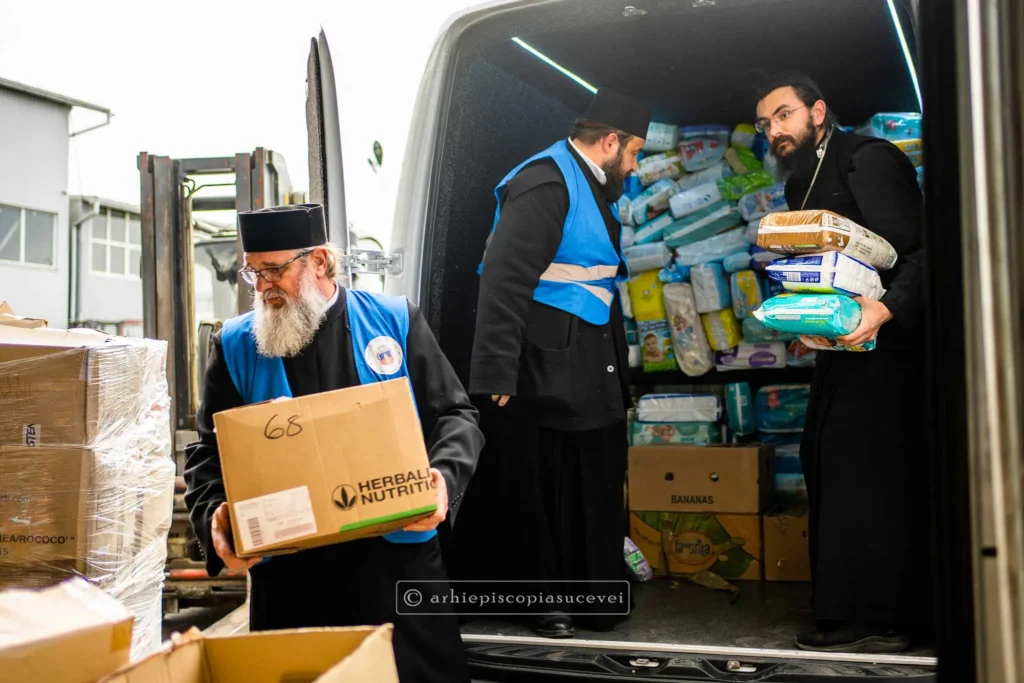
[{"x": 282, "y": 332}]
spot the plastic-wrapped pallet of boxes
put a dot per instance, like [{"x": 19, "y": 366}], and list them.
[{"x": 86, "y": 467}]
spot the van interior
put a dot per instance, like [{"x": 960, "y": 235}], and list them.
[{"x": 515, "y": 88}]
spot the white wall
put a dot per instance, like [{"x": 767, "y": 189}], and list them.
[
  {"x": 34, "y": 175},
  {"x": 101, "y": 296}
]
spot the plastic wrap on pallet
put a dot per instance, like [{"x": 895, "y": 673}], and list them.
[{"x": 86, "y": 468}]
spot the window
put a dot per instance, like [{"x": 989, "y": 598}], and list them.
[
  {"x": 27, "y": 236},
  {"x": 116, "y": 244}
]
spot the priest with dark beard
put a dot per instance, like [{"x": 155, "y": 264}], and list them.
[
  {"x": 550, "y": 362},
  {"x": 863, "y": 451},
  {"x": 309, "y": 334}
]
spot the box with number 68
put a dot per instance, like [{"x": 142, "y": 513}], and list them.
[{"x": 324, "y": 468}]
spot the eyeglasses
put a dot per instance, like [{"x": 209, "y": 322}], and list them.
[
  {"x": 765, "y": 125},
  {"x": 271, "y": 275}
]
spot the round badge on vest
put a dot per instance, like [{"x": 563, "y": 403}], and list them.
[{"x": 384, "y": 355}]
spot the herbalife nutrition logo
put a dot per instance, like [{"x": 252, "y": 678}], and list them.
[{"x": 344, "y": 497}]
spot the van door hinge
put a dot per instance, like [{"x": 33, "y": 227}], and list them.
[{"x": 372, "y": 261}]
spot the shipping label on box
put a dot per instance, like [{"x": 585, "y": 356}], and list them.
[
  {"x": 786, "y": 552},
  {"x": 680, "y": 543},
  {"x": 324, "y": 468},
  {"x": 720, "y": 479}
]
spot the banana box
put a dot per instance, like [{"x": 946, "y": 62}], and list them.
[{"x": 681, "y": 543}]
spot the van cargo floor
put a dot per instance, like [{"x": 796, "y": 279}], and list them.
[{"x": 763, "y": 616}]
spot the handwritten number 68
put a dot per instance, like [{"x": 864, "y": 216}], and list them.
[{"x": 292, "y": 429}]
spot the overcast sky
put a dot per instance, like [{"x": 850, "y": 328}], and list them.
[{"x": 214, "y": 78}]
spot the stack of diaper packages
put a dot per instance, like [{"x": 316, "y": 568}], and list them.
[
  {"x": 780, "y": 414},
  {"x": 828, "y": 260},
  {"x": 690, "y": 419},
  {"x": 903, "y": 130}
]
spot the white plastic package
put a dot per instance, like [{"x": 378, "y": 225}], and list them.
[
  {"x": 661, "y": 137},
  {"x": 636, "y": 356},
  {"x": 628, "y": 236},
  {"x": 694, "y": 199},
  {"x": 657, "y": 166},
  {"x": 712, "y": 249},
  {"x": 642, "y": 257},
  {"x": 752, "y": 228},
  {"x": 734, "y": 263},
  {"x": 693, "y": 353},
  {"x": 700, "y": 154},
  {"x": 827, "y": 273},
  {"x": 752, "y": 356},
  {"x": 626, "y": 210},
  {"x": 627, "y": 304},
  {"x": 710, "y": 287},
  {"x": 760, "y": 203},
  {"x": 653, "y": 200},
  {"x": 679, "y": 408},
  {"x": 709, "y": 175}
]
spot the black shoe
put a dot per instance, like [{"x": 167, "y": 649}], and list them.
[
  {"x": 556, "y": 625},
  {"x": 854, "y": 637}
]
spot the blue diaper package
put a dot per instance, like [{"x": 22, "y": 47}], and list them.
[
  {"x": 710, "y": 287},
  {"x": 755, "y": 332},
  {"x": 713, "y": 248},
  {"x": 781, "y": 408},
  {"x": 652, "y": 230},
  {"x": 674, "y": 273},
  {"x": 734, "y": 263},
  {"x": 702, "y": 224},
  {"x": 739, "y": 406},
  {"x": 822, "y": 315},
  {"x": 892, "y": 126}
]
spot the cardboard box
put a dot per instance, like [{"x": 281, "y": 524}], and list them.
[
  {"x": 325, "y": 468},
  {"x": 679, "y": 543},
  {"x": 786, "y": 553},
  {"x": 7, "y": 317},
  {"x": 61, "y": 387},
  {"x": 71, "y": 633},
  {"x": 335, "y": 655},
  {"x": 721, "y": 479}
]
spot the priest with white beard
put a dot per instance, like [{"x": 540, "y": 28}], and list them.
[{"x": 307, "y": 333}]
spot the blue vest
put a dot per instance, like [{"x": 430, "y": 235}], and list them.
[
  {"x": 584, "y": 275},
  {"x": 259, "y": 378}
]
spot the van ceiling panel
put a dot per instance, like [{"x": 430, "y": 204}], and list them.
[{"x": 702, "y": 64}]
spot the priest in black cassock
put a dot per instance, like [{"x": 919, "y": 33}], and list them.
[
  {"x": 550, "y": 352},
  {"x": 322, "y": 332},
  {"x": 863, "y": 451}
]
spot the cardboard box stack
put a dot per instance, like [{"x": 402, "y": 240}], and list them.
[{"x": 86, "y": 475}]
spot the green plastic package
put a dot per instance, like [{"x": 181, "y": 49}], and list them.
[{"x": 734, "y": 187}]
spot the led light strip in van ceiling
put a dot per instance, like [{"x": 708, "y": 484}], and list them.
[
  {"x": 550, "y": 62},
  {"x": 906, "y": 53}
]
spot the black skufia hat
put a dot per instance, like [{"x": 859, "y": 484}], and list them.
[
  {"x": 283, "y": 228},
  {"x": 620, "y": 111}
]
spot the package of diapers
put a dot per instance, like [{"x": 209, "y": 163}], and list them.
[
  {"x": 656, "y": 344},
  {"x": 701, "y": 153},
  {"x": 653, "y": 201},
  {"x": 812, "y": 232},
  {"x": 819, "y": 315},
  {"x": 712, "y": 131},
  {"x": 674, "y": 273},
  {"x": 742, "y": 160},
  {"x": 739, "y": 406},
  {"x": 688, "y": 201},
  {"x": 743, "y": 135},
  {"x": 709, "y": 175},
  {"x": 760, "y": 203},
  {"x": 712, "y": 248},
  {"x": 734, "y": 187},
  {"x": 827, "y": 273},
  {"x": 771, "y": 355},
  {"x": 653, "y": 230},
  {"x": 644, "y": 257},
  {"x": 693, "y": 353},
  {"x": 658, "y": 166},
  {"x": 898, "y": 126},
  {"x": 628, "y": 238},
  {"x": 746, "y": 293},
  {"x": 760, "y": 258},
  {"x": 781, "y": 408},
  {"x": 645, "y": 296},
  {"x": 722, "y": 329},
  {"x": 755, "y": 331},
  {"x": 661, "y": 137},
  {"x": 687, "y": 433},
  {"x": 627, "y": 305},
  {"x": 636, "y": 356},
  {"x": 679, "y": 408},
  {"x": 751, "y": 233},
  {"x": 734, "y": 263},
  {"x": 626, "y": 211},
  {"x": 710, "y": 287},
  {"x": 702, "y": 224},
  {"x": 799, "y": 355}
]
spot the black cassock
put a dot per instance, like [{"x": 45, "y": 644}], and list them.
[
  {"x": 351, "y": 583},
  {"x": 547, "y": 501},
  {"x": 864, "y": 449}
]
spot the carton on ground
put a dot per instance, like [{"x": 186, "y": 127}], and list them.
[
  {"x": 719, "y": 479},
  {"x": 680, "y": 543},
  {"x": 334, "y": 655},
  {"x": 325, "y": 468},
  {"x": 786, "y": 553},
  {"x": 71, "y": 633}
]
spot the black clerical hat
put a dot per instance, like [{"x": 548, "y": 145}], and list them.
[
  {"x": 283, "y": 228},
  {"x": 620, "y": 111}
]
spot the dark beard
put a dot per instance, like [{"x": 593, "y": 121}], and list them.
[
  {"x": 802, "y": 159},
  {"x": 615, "y": 179}
]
